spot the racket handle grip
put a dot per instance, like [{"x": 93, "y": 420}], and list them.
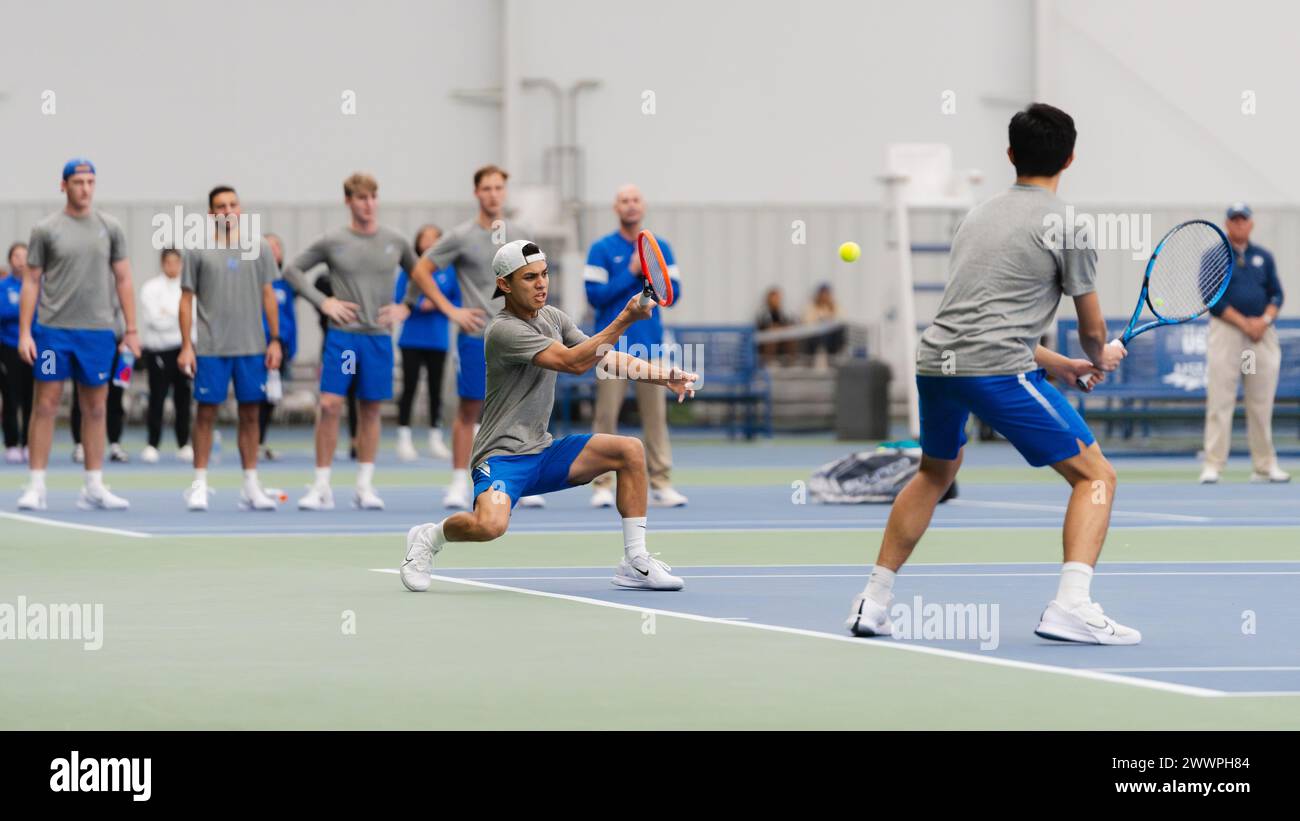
[
  {"x": 644, "y": 301},
  {"x": 1085, "y": 382}
]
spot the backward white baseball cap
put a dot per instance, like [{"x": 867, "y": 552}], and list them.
[{"x": 512, "y": 256}]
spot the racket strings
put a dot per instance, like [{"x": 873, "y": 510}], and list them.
[{"x": 1189, "y": 271}]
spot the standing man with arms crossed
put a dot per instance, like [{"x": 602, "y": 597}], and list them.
[
  {"x": 362, "y": 258},
  {"x": 613, "y": 275},
  {"x": 981, "y": 355},
  {"x": 527, "y": 343},
  {"x": 233, "y": 295},
  {"x": 470, "y": 247},
  {"x": 75, "y": 261},
  {"x": 1243, "y": 321}
]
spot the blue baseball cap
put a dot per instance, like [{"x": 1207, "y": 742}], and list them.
[
  {"x": 1239, "y": 209},
  {"x": 77, "y": 165}
]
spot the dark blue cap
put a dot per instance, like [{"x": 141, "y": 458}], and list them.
[
  {"x": 77, "y": 165},
  {"x": 1239, "y": 209}
]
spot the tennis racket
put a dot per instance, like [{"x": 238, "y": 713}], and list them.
[
  {"x": 1187, "y": 274},
  {"x": 658, "y": 285}
]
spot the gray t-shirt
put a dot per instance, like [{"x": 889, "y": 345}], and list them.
[
  {"x": 76, "y": 256},
  {"x": 362, "y": 269},
  {"x": 228, "y": 289},
  {"x": 470, "y": 247},
  {"x": 520, "y": 395},
  {"x": 1005, "y": 281}
]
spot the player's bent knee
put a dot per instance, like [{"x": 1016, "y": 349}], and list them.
[{"x": 633, "y": 452}]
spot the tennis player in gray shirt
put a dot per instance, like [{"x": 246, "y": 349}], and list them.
[
  {"x": 233, "y": 294},
  {"x": 1007, "y": 273},
  {"x": 527, "y": 344},
  {"x": 362, "y": 259},
  {"x": 470, "y": 246},
  {"x": 76, "y": 261}
]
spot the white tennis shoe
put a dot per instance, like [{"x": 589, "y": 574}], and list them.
[
  {"x": 105, "y": 499},
  {"x": 33, "y": 498},
  {"x": 196, "y": 498},
  {"x": 367, "y": 499},
  {"x": 1085, "y": 623},
  {"x": 602, "y": 497},
  {"x": 667, "y": 497},
  {"x": 417, "y": 567},
  {"x": 457, "y": 496},
  {"x": 532, "y": 501},
  {"x": 869, "y": 618},
  {"x": 645, "y": 572},
  {"x": 254, "y": 497},
  {"x": 317, "y": 498}
]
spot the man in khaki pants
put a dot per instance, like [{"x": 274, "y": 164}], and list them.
[
  {"x": 1243, "y": 345},
  {"x": 613, "y": 275}
]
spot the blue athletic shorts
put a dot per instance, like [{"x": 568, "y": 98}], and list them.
[
  {"x": 85, "y": 356},
  {"x": 532, "y": 474},
  {"x": 366, "y": 359},
  {"x": 471, "y": 373},
  {"x": 213, "y": 374},
  {"x": 1025, "y": 408}
]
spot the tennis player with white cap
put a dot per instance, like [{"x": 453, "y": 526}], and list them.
[{"x": 526, "y": 344}]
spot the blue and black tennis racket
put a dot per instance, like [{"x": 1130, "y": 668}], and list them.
[{"x": 1187, "y": 274}]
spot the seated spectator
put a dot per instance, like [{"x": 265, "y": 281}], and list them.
[
  {"x": 772, "y": 317},
  {"x": 823, "y": 308}
]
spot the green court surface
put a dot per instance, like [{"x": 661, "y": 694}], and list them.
[{"x": 253, "y": 632}]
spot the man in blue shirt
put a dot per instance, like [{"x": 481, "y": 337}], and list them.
[
  {"x": 1242, "y": 323},
  {"x": 285, "y": 298},
  {"x": 15, "y": 374},
  {"x": 613, "y": 276}
]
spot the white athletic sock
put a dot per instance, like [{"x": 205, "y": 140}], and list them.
[
  {"x": 250, "y": 477},
  {"x": 365, "y": 474},
  {"x": 322, "y": 477},
  {"x": 201, "y": 475},
  {"x": 38, "y": 479},
  {"x": 95, "y": 481},
  {"x": 634, "y": 536},
  {"x": 459, "y": 477},
  {"x": 439, "y": 536},
  {"x": 404, "y": 433},
  {"x": 1076, "y": 579},
  {"x": 880, "y": 585}
]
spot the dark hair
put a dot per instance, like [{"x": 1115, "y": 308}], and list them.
[
  {"x": 13, "y": 248},
  {"x": 166, "y": 252},
  {"x": 489, "y": 169},
  {"x": 220, "y": 189},
  {"x": 1042, "y": 140},
  {"x": 415, "y": 243}
]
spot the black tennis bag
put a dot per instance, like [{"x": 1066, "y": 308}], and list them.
[{"x": 871, "y": 476}]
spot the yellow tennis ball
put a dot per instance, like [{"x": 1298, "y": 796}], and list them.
[
  {"x": 1159, "y": 302},
  {"x": 849, "y": 251}
]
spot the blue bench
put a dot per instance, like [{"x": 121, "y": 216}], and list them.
[
  {"x": 725, "y": 356},
  {"x": 1163, "y": 377}
]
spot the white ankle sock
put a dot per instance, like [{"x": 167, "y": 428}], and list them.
[
  {"x": 880, "y": 585},
  {"x": 459, "y": 476},
  {"x": 1076, "y": 581},
  {"x": 365, "y": 474},
  {"x": 95, "y": 481},
  {"x": 634, "y": 528},
  {"x": 38, "y": 479},
  {"x": 322, "y": 477},
  {"x": 201, "y": 475},
  {"x": 404, "y": 433},
  {"x": 250, "y": 477},
  {"x": 439, "y": 536}
]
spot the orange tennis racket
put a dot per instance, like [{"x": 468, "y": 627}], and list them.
[{"x": 658, "y": 285}]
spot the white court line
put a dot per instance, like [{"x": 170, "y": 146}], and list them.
[
  {"x": 1196, "y": 669},
  {"x": 1171, "y": 517},
  {"x": 39, "y": 520},
  {"x": 1092, "y": 675},
  {"x": 911, "y": 565},
  {"x": 864, "y": 574}
]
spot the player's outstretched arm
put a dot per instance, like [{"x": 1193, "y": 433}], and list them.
[
  {"x": 622, "y": 365},
  {"x": 583, "y": 357}
]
